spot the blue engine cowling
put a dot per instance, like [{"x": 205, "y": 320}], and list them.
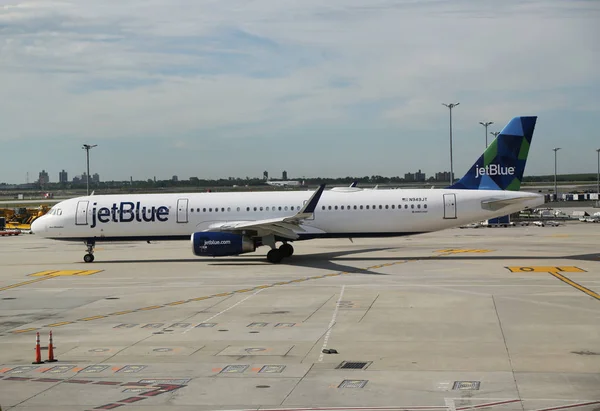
[{"x": 221, "y": 244}]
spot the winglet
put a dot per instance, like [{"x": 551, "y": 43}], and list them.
[{"x": 311, "y": 205}]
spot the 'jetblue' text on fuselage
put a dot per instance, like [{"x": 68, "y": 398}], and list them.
[{"x": 126, "y": 212}]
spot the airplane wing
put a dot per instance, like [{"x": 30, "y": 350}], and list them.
[
  {"x": 498, "y": 203},
  {"x": 283, "y": 226}
]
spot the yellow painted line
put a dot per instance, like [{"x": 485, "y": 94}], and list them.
[
  {"x": 545, "y": 269},
  {"x": 59, "y": 324},
  {"x": 574, "y": 284},
  {"x": 122, "y": 312},
  {"x": 199, "y": 299},
  {"x": 177, "y": 302},
  {"x": 25, "y": 330},
  {"x": 244, "y": 291},
  {"x": 298, "y": 280},
  {"x": 221, "y": 295},
  {"x": 64, "y": 273},
  {"x": 152, "y": 307},
  {"x": 92, "y": 318},
  {"x": 8, "y": 287},
  {"x": 263, "y": 286}
]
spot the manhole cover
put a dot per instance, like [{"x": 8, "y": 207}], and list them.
[
  {"x": 257, "y": 324},
  {"x": 232, "y": 369},
  {"x": 272, "y": 369},
  {"x": 353, "y": 383},
  {"x": 353, "y": 365},
  {"x": 206, "y": 325},
  {"x": 466, "y": 385}
]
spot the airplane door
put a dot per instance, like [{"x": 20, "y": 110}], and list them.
[
  {"x": 449, "y": 206},
  {"x": 182, "y": 210},
  {"x": 81, "y": 214}
]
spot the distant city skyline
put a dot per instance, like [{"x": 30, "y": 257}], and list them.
[{"x": 346, "y": 88}]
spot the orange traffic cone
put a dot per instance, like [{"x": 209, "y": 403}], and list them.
[
  {"x": 51, "y": 350},
  {"x": 38, "y": 350}
]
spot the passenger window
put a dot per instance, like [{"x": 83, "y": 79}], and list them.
[
  {"x": 191, "y": 210},
  {"x": 424, "y": 205},
  {"x": 254, "y": 208},
  {"x": 405, "y": 206},
  {"x": 329, "y": 207},
  {"x": 418, "y": 205},
  {"x": 412, "y": 206},
  {"x": 228, "y": 208},
  {"x": 374, "y": 207},
  {"x": 387, "y": 206},
  {"x": 380, "y": 206},
  {"x": 210, "y": 209},
  {"x": 238, "y": 209},
  {"x": 280, "y": 208},
  {"x": 335, "y": 207},
  {"x": 223, "y": 209},
  {"x": 393, "y": 206},
  {"x": 285, "y": 208},
  {"x": 367, "y": 207},
  {"x": 342, "y": 207},
  {"x": 217, "y": 210},
  {"x": 261, "y": 209},
  {"x": 355, "y": 207},
  {"x": 267, "y": 209},
  {"x": 322, "y": 207},
  {"x": 361, "y": 207},
  {"x": 204, "y": 210}
]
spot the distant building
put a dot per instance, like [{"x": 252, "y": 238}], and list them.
[
  {"x": 284, "y": 175},
  {"x": 415, "y": 177},
  {"x": 95, "y": 178},
  {"x": 77, "y": 179},
  {"x": 442, "y": 176},
  {"x": 63, "y": 177},
  {"x": 175, "y": 179},
  {"x": 43, "y": 178},
  {"x": 265, "y": 175}
]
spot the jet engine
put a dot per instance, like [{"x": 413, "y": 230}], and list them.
[{"x": 221, "y": 244}]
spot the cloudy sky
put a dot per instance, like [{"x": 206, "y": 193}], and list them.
[{"x": 339, "y": 87}]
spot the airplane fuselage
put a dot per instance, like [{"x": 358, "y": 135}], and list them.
[{"x": 365, "y": 213}]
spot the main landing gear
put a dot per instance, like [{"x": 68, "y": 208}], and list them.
[
  {"x": 89, "y": 257},
  {"x": 277, "y": 254}
]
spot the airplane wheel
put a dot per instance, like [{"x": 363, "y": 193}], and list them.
[
  {"x": 274, "y": 256},
  {"x": 88, "y": 258},
  {"x": 287, "y": 250}
]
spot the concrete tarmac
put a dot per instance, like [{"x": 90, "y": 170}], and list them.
[{"x": 503, "y": 318}]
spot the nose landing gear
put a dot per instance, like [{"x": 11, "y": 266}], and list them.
[{"x": 89, "y": 257}]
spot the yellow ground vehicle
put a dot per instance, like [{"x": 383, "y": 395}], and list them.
[{"x": 21, "y": 217}]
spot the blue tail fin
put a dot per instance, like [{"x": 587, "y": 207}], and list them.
[{"x": 502, "y": 164}]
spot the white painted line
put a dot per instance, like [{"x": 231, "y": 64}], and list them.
[
  {"x": 450, "y": 404},
  {"x": 331, "y": 323},
  {"x": 227, "y": 309}
]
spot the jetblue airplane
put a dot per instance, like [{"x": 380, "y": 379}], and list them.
[{"x": 226, "y": 224}]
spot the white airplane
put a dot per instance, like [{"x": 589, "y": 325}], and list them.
[
  {"x": 226, "y": 224},
  {"x": 284, "y": 183}
]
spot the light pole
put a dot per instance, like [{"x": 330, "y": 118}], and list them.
[
  {"x": 87, "y": 148},
  {"x": 598, "y": 187},
  {"x": 451, "y": 106},
  {"x": 486, "y": 124},
  {"x": 494, "y": 133},
  {"x": 555, "y": 186}
]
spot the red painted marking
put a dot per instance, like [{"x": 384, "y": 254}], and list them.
[
  {"x": 78, "y": 381},
  {"x": 400, "y": 408},
  {"x": 5, "y": 369},
  {"x": 77, "y": 369},
  {"x": 17, "y": 379},
  {"x": 136, "y": 384},
  {"x": 581, "y": 404},
  {"x": 107, "y": 383},
  {"x": 217, "y": 369},
  {"x": 43, "y": 369},
  {"x": 255, "y": 369},
  {"x": 115, "y": 369},
  {"x": 489, "y": 404},
  {"x": 48, "y": 379},
  {"x": 131, "y": 400}
]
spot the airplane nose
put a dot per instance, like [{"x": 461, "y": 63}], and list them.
[{"x": 37, "y": 226}]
